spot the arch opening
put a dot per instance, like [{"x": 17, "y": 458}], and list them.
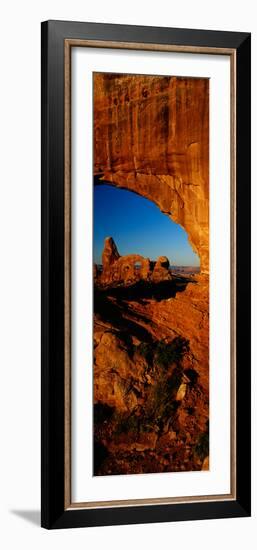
[
  {"x": 157, "y": 145},
  {"x": 138, "y": 227}
]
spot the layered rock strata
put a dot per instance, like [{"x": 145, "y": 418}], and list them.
[{"x": 151, "y": 136}]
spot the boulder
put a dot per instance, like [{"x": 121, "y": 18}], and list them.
[{"x": 161, "y": 270}]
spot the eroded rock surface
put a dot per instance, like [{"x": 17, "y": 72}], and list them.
[
  {"x": 151, "y": 375},
  {"x": 151, "y": 136},
  {"x": 161, "y": 271},
  {"x": 128, "y": 269}
]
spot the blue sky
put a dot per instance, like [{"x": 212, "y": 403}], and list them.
[{"x": 137, "y": 227}]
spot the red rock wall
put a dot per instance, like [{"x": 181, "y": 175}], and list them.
[{"x": 151, "y": 135}]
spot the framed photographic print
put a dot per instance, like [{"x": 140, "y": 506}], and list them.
[{"x": 145, "y": 274}]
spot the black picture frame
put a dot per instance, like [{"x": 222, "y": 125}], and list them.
[{"x": 54, "y": 514}]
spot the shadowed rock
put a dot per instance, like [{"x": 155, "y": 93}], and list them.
[{"x": 161, "y": 270}]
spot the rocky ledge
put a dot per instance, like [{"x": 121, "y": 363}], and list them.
[{"x": 151, "y": 367}]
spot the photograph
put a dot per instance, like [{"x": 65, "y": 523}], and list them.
[
  {"x": 146, "y": 265},
  {"x": 127, "y": 304},
  {"x": 151, "y": 274}
]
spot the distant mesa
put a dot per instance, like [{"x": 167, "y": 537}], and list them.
[
  {"x": 185, "y": 269},
  {"x": 129, "y": 269}
]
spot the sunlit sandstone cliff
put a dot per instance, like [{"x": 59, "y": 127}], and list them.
[
  {"x": 151, "y": 135},
  {"x": 151, "y": 332}
]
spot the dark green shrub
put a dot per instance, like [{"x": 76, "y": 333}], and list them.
[
  {"x": 163, "y": 353},
  {"x": 202, "y": 445},
  {"x": 192, "y": 375},
  {"x": 102, "y": 412},
  {"x": 127, "y": 424},
  {"x": 161, "y": 402},
  {"x": 175, "y": 380},
  {"x": 146, "y": 349},
  {"x": 168, "y": 353}
]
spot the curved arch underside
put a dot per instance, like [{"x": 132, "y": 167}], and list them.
[{"x": 151, "y": 136}]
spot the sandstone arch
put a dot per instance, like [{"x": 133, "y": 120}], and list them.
[
  {"x": 151, "y": 136},
  {"x": 124, "y": 269}
]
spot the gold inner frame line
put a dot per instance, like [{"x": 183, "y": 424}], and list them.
[{"x": 68, "y": 44}]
